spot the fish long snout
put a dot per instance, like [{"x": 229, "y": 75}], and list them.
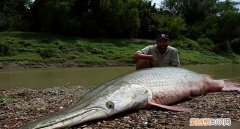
[{"x": 67, "y": 119}]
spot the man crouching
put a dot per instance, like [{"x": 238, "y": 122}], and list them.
[{"x": 157, "y": 55}]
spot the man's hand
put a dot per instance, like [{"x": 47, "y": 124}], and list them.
[{"x": 156, "y": 62}]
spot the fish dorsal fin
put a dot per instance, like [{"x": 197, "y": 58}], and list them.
[{"x": 172, "y": 108}]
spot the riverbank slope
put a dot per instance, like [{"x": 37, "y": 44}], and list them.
[{"x": 23, "y": 49}]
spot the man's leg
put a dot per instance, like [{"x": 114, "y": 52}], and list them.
[{"x": 142, "y": 63}]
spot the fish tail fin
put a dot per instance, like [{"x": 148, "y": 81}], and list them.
[{"x": 231, "y": 85}]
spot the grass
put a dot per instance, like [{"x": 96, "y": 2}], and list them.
[
  {"x": 43, "y": 47},
  {"x": 196, "y": 57}
]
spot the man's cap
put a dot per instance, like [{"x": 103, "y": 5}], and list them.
[{"x": 162, "y": 36}]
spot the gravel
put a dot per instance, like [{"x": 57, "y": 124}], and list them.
[{"x": 20, "y": 106}]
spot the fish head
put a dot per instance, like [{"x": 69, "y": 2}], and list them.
[
  {"x": 100, "y": 103},
  {"x": 110, "y": 101},
  {"x": 126, "y": 96}
]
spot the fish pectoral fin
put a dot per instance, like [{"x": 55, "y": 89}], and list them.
[{"x": 173, "y": 108}]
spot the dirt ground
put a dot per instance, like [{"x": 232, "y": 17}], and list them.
[{"x": 20, "y": 106}]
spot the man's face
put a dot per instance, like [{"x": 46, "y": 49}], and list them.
[{"x": 162, "y": 43}]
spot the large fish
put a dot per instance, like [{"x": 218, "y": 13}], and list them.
[{"x": 160, "y": 87}]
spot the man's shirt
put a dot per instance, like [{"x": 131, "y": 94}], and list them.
[{"x": 169, "y": 58}]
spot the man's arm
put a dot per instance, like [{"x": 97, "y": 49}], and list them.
[
  {"x": 143, "y": 54},
  {"x": 139, "y": 55},
  {"x": 142, "y": 60}
]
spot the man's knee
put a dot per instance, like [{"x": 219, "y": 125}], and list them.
[{"x": 142, "y": 63}]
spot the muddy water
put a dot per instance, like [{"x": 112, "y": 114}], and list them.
[{"x": 87, "y": 76}]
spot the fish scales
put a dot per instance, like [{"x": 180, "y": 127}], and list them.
[{"x": 169, "y": 85}]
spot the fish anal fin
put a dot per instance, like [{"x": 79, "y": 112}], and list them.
[{"x": 172, "y": 108}]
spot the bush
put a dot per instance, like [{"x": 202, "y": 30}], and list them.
[
  {"x": 48, "y": 52},
  {"x": 25, "y": 43},
  {"x": 123, "y": 43},
  {"x": 97, "y": 51},
  {"x": 206, "y": 43},
  {"x": 94, "y": 50},
  {"x": 6, "y": 50},
  {"x": 80, "y": 47},
  {"x": 235, "y": 45},
  {"x": 185, "y": 43}
]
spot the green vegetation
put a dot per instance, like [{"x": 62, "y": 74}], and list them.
[
  {"x": 4, "y": 100},
  {"x": 50, "y": 48},
  {"x": 194, "y": 25}
]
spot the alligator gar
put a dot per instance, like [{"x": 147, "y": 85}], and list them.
[{"x": 160, "y": 87}]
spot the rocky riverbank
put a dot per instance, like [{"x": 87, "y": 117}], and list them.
[{"x": 19, "y": 106}]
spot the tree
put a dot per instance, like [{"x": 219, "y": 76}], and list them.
[
  {"x": 51, "y": 16},
  {"x": 14, "y": 14},
  {"x": 226, "y": 5},
  {"x": 228, "y": 24},
  {"x": 171, "y": 24},
  {"x": 130, "y": 18},
  {"x": 146, "y": 12},
  {"x": 192, "y": 10},
  {"x": 117, "y": 18},
  {"x": 229, "y": 28},
  {"x": 210, "y": 27}
]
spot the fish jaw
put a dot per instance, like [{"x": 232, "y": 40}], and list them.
[
  {"x": 67, "y": 119},
  {"x": 88, "y": 115}
]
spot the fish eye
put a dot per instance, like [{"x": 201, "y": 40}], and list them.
[{"x": 110, "y": 105}]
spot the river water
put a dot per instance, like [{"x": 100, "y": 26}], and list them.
[{"x": 94, "y": 76}]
